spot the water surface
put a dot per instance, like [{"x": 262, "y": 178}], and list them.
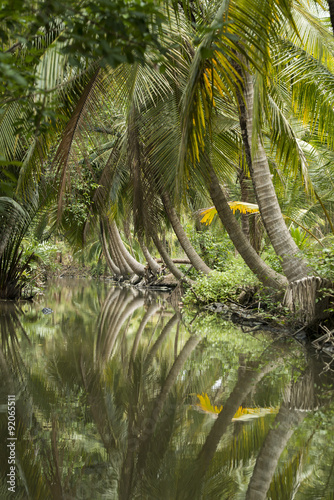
[{"x": 119, "y": 396}]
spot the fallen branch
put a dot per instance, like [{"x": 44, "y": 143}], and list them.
[{"x": 176, "y": 261}]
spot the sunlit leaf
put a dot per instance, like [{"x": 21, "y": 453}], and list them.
[
  {"x": 243, "y": 207},
  {"x": 242, "y": 413}
]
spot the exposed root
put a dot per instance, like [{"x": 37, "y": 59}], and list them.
[
  {"x": 303, "y": 298},
  {"x": 325, "y": 343}
]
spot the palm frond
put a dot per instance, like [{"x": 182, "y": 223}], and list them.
[{"x": 64, "y": 149}]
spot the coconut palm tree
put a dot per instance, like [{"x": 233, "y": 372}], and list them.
[
  {"x": 167, "y": 124},
  {"x": 215, "y": 69}
]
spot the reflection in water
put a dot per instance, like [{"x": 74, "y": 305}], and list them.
[{"x": 107, "y": 404}]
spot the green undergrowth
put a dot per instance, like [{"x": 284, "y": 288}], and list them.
[{"x": 220, "y": 286}]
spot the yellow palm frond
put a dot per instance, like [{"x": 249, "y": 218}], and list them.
[
  {"x": 242, "y": 413},
  {"x": 205, "y": 404},
  {"x": 243, "y": 207},
  {"x": 208, "y": 215}
]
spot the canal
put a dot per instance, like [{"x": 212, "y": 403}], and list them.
[{"x": 110, "y": 393}]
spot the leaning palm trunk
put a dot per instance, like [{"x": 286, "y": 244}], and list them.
[
  {"x": 264, "y": 272},
  {"x": 248, "y": 378},
  {"x": 162, "y": 399},
  {"x": 154, "y": 266},
  {"x": 267, "y": 461},
  {"x": 193, "y": 256},
  {"x": 293, "y": 265},
  {"x": 136, "y": 266},
  {"x": 299, "y": 399},
  {"x": 123, "y": 259},
  {"x": 110, "y": 263},
  {"x": 168, "y": 261},
  {"x": 153, "y": 308},
  {"x": 117, "y": 255},
  {"x": 115, "y": 252},
  {"x": 119, "y": 258}
]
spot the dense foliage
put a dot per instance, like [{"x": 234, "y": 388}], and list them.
[{"x": 124, "y": 121}]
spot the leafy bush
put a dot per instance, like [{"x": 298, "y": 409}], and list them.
[
  {"x": 270, "y": 257},
  {"x": 216, "y": 251},
  {"x": 219, "y": 286},
  {"x": 42, "y": 262},
  {"x": 322, "y": 262},
  {"x": 302, "y": 239}
]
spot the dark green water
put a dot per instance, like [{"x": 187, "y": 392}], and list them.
[{"x": 106, "y": 396}]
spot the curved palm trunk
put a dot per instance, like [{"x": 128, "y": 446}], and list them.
[
  {"x": 112, "y": 266},
  {"x": 300, "y": 398},
  {"x": 136, "y": 266},
  {"x": 247, "y": 381},
  {"x": 154, "y": 266},
  {"x": 271, "y": 451},
  {"x": 119, "y": 254},
  {"x": 293, "y": 266},
  {"x": 161, "y": 400},
  {"x": 168, "y": 261},
  {"x": 116, "y": 253},
  {"x": 193, "y": 256},
  {"x": 265, "y": 274},
  {"x": 153, "y": 308},
  {"x": 124, "y": 260},
  {"x": 175, "y": 319}
]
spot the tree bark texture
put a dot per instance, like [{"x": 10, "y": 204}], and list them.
[
  {"x": 168, "y": 261},
  {"x": 293, "y": 265},
  {"x": 264, "y": 272},
  {"x": 301, "y": 298},
  {"x": 244, "y": 198},
  {"x": 178, "y": 261},
  {"x": 116, "y": 253},
  {"x": 193, "y": 256},
  {"x": 135, "y": 266},
  {"x": 112, "y": 266},
  {"x": 331, "y": 12},
  {"x": 154, "y": 266},
  {"x": 271, "y": 451}
]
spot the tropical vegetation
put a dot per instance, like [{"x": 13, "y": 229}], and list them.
[{"x": 122, "y": 122}]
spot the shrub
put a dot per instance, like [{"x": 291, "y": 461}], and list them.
[
  {"x": 216, "y": 251},
  {"x": 322, "y": 262},
  {"x": 219, "y": 286}
]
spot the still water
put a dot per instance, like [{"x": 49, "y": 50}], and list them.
[{"x": 115, "y": 395}]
